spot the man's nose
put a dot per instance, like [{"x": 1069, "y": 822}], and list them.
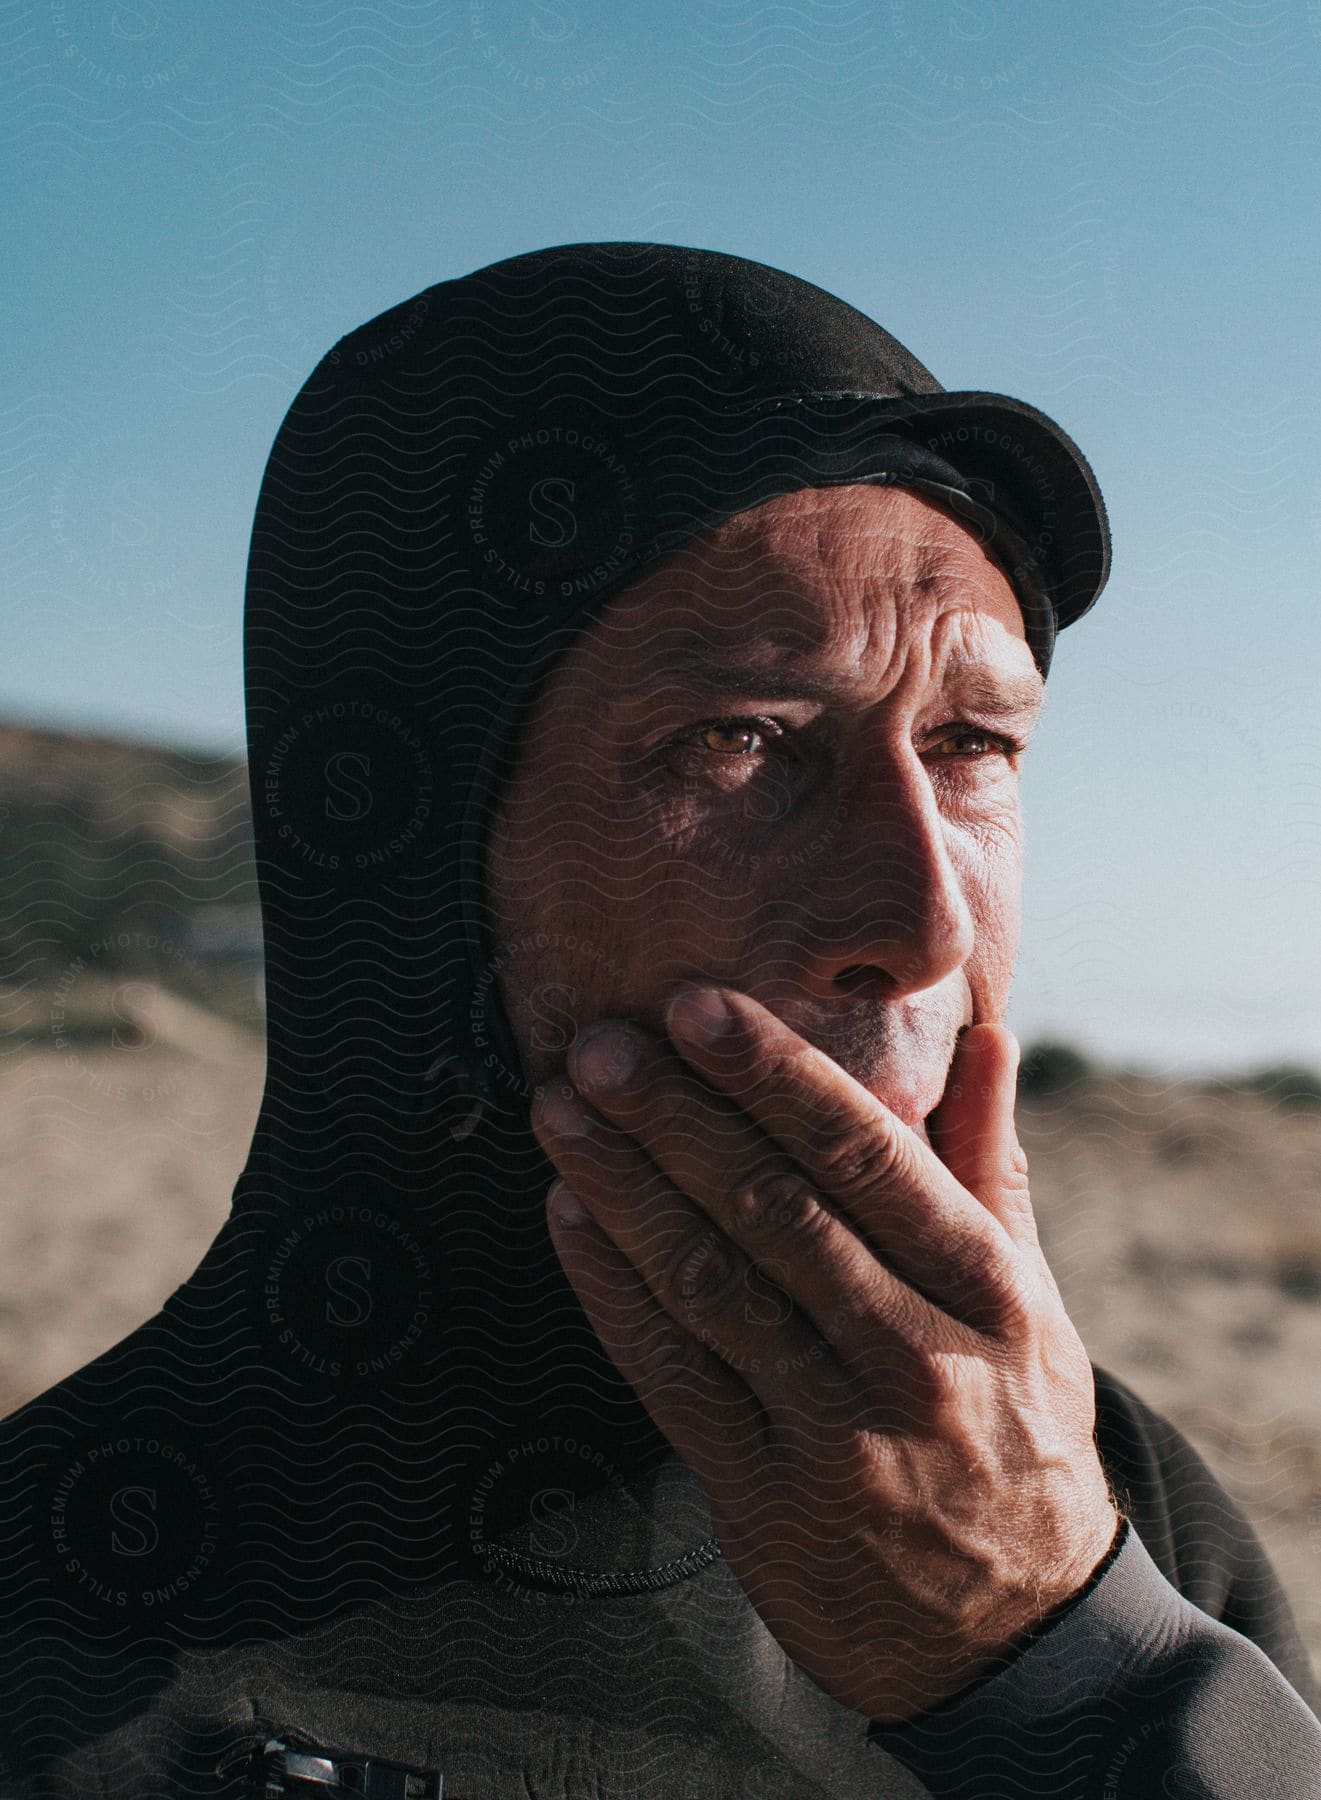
[{"x": 884, "y": 897}]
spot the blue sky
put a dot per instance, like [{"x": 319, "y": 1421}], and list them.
[{"x": 1106, "y": 209}]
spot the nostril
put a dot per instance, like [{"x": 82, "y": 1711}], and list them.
[{"x": 865, "y": 984}]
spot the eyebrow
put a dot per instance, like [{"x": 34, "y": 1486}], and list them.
[
  {"x": 1007, "y": 696},
  {"x": 1011, "y": 696}
]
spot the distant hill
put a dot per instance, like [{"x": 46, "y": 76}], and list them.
[{"x": 121, "y": 860}]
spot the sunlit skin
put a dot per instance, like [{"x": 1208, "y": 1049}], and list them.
[
  {"x": 860, "y": 878},
  {"x": 897, "y": 1453}
]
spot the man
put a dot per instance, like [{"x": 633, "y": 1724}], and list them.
[
  {"x": 870, "y": 908},
  {"x": 641, "y": 653}
]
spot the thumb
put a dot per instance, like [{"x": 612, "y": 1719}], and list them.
[{"x": 972, "y": 1130}]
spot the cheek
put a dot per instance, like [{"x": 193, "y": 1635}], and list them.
[
  {"x": 674, "y": 889},
  {"x": 726, "y": 820},
  {"x": 992, "y": 850},
  {"x": 556, "y": 826},
  {"x": 707, "y": 855},
  {"x": 989, "y": 862},
  {"x": 636, "y": 871},
  {"x": 639, "y": 824}
]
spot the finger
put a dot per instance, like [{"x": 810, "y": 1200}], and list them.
[
  {"x": 698, "y": 1404},
  {"x": 973, "y": 1132},
  {"x": 761, "y": 1201},
  {"x": 892, "y": 1186},
  {"x": 693, "y": 1270}
]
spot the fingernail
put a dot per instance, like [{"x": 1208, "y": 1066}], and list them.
[
  {"x": 605, "y": 1056},
  {"x": 565, "y": 1115},
  {"x": 698, "y": 1015},
  {"x": 565, "y": 1206}
]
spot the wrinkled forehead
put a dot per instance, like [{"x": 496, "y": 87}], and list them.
[{"x": 852, "y": 575}]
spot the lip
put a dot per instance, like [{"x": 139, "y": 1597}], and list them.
[{"x": 910, "y": 1102}]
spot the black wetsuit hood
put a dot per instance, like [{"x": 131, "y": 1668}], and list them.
[{"x": 458, "y": 489}]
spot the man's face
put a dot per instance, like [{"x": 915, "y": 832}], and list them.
[{"x": 787, "y": 762}]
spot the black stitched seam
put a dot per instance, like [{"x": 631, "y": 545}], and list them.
[{"x": 609, "y": 1581}]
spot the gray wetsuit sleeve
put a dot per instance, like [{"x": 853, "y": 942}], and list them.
[{"x": 1133, "y": 1693}]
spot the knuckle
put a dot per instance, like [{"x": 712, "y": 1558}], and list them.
[
  {"x": 1020, "y": 1307},
  {"x": 856, "y": 1160},
  {"x": 702, "y": 1282},
  {"x": 922, "y": 1389},
  {"x": 1006, "y": 1298},
  {"x": 778, "y": 1210}
]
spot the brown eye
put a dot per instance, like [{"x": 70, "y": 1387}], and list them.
[
  {"x": 730, "y": 737},
  {"x": 979, "y": 738},
  {"x": 984, "y": 740}
]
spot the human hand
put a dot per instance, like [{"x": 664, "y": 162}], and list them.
[{"x": 850, "y": 1336}]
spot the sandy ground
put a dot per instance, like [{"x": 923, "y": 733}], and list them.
[{"x": 1184, "y": 1231}]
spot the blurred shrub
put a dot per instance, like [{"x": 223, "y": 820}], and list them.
[
  {"x": 1290, "y": 1085},
  {"x": 1052, "y": 1067},
  {"x": 1298, "y": 1276}
]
